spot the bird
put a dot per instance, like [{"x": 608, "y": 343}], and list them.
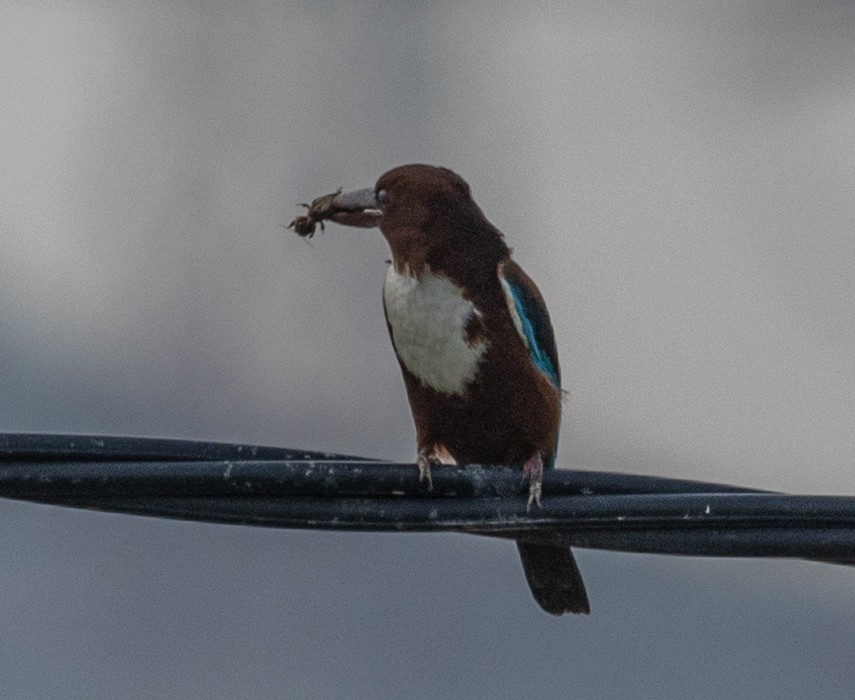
[{"x": 474, "y": 343}]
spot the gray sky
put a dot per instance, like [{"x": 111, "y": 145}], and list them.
[{"x": 678, "y": 179}]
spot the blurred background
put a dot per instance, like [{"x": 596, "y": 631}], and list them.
[{"x": 678, "y": 179}]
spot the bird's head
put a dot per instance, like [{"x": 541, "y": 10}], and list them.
[{"x": 426, "y": 214}]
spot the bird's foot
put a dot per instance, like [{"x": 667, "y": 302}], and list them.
[
  {"x": 533, "y": 473},
  {"x": 424, "y": 460}
]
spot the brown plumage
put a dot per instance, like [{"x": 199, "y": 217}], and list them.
[{"x": 474, "y": 343}]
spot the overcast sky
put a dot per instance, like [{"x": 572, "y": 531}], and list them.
[{"x": 677, "y": 177}]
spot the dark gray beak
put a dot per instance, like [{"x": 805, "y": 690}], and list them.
[{"x": 357, "y": 208}]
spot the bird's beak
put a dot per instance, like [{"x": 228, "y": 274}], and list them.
[{"x": 357, "y": 208}]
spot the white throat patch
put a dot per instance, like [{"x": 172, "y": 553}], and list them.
[{"x": 428, "y": 317}]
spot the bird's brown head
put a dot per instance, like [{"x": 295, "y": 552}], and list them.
[{"x": 426, "y": 214}]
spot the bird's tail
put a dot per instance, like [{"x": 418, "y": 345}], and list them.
[{"x": 554, "y": 578}]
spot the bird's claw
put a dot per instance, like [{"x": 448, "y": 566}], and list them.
[
  {"x": 423, "y": 461},
  {"x": 533, "y": 473},
  {"x": 534, "y": 491}
]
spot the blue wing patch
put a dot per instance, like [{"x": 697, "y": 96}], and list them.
[{"x": 531, "y": 320}]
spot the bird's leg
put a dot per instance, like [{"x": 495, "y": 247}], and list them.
[
  {"x": 424, "y": 460},
  {"x": 533, "y": 473}
]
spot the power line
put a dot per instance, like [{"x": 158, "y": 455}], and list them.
[{"x": 277, "y": 487}]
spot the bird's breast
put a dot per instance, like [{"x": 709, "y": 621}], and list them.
[{"x": 429, "y": 319}]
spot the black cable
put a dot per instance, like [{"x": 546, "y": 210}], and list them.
[{"x": 273, "y": 487}]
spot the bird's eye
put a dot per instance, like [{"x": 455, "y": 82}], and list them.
[{"x": 382, "y": 197}]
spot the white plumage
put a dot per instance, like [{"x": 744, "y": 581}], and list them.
[{"x": 428, "y": 316}]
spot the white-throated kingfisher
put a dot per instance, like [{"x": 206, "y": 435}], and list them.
[{"x": 474, "y": 342}]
